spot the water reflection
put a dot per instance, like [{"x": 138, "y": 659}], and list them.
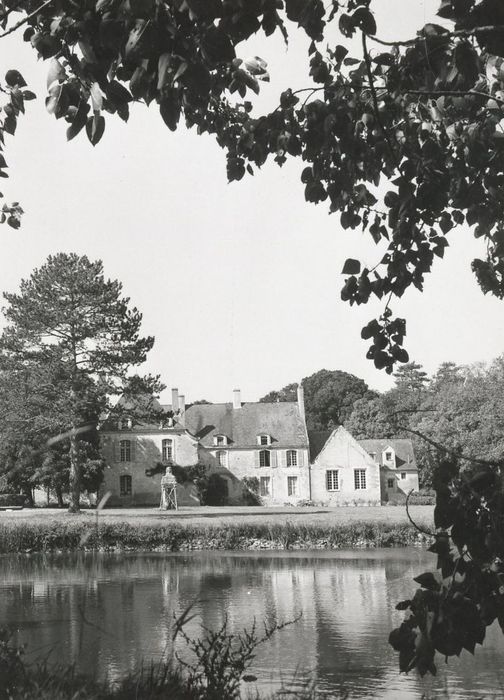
[{"x": 107, "y": 613}]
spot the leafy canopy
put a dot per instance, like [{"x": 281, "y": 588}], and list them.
[
  {"x": 329, "y": 397},
  {"x": 423, "y": 116}
]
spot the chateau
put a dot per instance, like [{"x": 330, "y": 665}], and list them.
[{"x": 241, "y": 441}]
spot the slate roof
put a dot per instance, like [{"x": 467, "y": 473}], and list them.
[
  {"x": 136, "y": 408},
  {"x": 402, "y": 446},
  {"x": 282, "y": 421}
]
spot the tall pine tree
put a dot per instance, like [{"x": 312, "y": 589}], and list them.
[{"x": 76, "y": 326}]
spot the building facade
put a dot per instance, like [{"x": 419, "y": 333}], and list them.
[
  {"x": 342, "y": 472},
  {"x": 261, "y": 446}
]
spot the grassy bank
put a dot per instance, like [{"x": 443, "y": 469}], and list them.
[{"x": 70, "y": 535}]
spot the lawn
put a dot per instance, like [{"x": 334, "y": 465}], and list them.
[{"x": 214, "y": 516}]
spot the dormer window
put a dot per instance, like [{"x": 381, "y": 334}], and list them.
[
  {"x": 129, "y": 423},
  {"x": 220, "y": 440},
  {"x": 388, "y": 455},
  {"x": 373, "y": 456},
  {"x": 264, "y": 439},
  {"x": 119, "y": 425}
]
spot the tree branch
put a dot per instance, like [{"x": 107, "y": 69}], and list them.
[
  {"x": 447, "y": 450},
  {"x": 26, "y": 19},
  {"x": 455, "y": 93},
  {"x": 374, "y": 97},
  {"x": 14, "y": 8},
  {"x": 415, "y": 525},
  {"x": 447, "y": 34}
]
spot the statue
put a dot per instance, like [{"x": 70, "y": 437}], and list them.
[{"x": 168, "y": 491}]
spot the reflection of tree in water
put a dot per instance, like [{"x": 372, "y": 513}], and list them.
[{"x": 347, "y": 601}]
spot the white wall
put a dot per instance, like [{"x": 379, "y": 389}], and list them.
[{"x": 344, "y": 454}]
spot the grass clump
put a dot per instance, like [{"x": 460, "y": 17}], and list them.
[{"x": 24, "y": 536}]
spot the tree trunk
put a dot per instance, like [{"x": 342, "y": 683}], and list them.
[
  {"x": 59, "y": 496},
  {"x": 74, "y": 506},
  {"x": 29, "y": 496}
]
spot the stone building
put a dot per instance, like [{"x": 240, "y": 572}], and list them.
[
  {"x": 398, "y": 468},
  {"x": 342, "y": 472},
  {"x": 266, "y": 444}
]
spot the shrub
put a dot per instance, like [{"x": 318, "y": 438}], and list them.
[
  {"x": 424, "y": 497},
  {"x": 12, "y": 499}
]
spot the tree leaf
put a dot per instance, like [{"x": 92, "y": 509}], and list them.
[
  {"x": 351, "y": 267},
  {"x": 169, "y": 109},
  {"x": 13, "y": 78},
  {"x": 95, "y": 126},
  {"x": 56, "y": 72}
]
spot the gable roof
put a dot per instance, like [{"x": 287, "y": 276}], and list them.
[
  {"x": 282, "y": 421},
  {"x": 402, "y": 447},
  {"x": 319, "y": 440}
]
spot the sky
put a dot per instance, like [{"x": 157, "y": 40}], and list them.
[{"x": 239, "y": 283}]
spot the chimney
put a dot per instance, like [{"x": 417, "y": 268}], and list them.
[
  {"x": 300, "y": 400},
  {"x": 181, "y": 403},
  {"x": 236, "y": 398},
  {"x": 174, "y": 400}
]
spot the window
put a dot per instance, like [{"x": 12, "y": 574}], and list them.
[
  {"x": 264, "y": 440},
  {"x": 221, "y": 458},
  {"x": 264, "y": 458},
  {"x": 220, "y": 440},
  {"x": 390, "y": 483},
  {"x": 403, "y": 475},
  {"x": 125, "y": 485},
  {"x": 125, "y": 451},
  {"x": 359, "y": 479},
  {"x": 264, "y": 486},
  {"x": 292, "y": 460},
  {"x": 292, "y": 486},
  {"x": 129, "y": 423},
  {"x": 373, "y": 455},
  {"x": 388, "y": 456},
  {"x": 167, "y": 450},
  {"x": 332, "y": 483}
]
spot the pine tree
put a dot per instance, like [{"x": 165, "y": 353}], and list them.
[{"x": 78, "y": 329}]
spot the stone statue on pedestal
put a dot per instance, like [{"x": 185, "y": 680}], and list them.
[{"x": 168, "y": 491}]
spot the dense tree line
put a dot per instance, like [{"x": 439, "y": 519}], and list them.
[{"x": 458, "y": 408}]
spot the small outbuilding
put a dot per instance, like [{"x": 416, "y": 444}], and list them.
[{"x": 342, "y": 472}]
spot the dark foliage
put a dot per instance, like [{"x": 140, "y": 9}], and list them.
[{"x": 330, "y": 396}]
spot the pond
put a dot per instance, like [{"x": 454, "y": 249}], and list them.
[{"x": 109, "y": 612}]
